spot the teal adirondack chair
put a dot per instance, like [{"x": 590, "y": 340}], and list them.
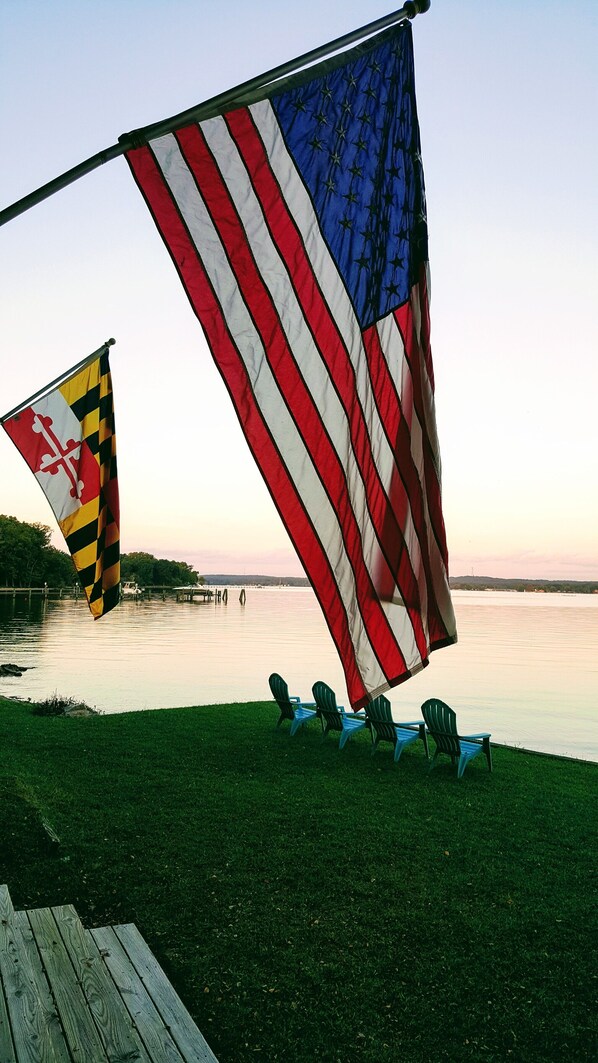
[
  {"x": 441, "y": 722},
  {"x": 333, "y": 717},
  {"x": 384, "y": 729},
  {"x": 291, "y": 707}
]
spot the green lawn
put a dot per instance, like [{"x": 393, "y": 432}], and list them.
[{"x": 315, "y": 905}]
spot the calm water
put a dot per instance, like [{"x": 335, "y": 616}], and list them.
[{"x": 525, "y": 667}]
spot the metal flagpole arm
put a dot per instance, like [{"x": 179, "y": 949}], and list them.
[
  {"x": 137, "y": 137},
  {"x": 216, "y": 104},
  {"x": 57, "y": 183}
]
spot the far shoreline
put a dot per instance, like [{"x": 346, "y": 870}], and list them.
[{"x": 457, "y": 583}]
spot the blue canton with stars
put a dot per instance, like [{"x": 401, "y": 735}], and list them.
[{"x": 354, "y": 137}]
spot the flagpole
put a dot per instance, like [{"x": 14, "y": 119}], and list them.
[
  {"x": 59, "y": 380},
  {"x": 138, "y": 137}
]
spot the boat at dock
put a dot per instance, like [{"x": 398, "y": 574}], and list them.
[{"x": 131, "y": 589}]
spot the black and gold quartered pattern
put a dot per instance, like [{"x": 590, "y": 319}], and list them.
[{"x": 92, "y": 532}]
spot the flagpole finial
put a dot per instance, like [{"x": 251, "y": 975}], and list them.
[
  {"x": 110, "y": 343},
  {"x": 417, "y": 7}
]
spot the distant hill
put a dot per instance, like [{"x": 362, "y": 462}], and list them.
[
  {"x": 458, "y": 583},
  {"x": 218, "y": 579},
  {"x": 561, "y": 586}
]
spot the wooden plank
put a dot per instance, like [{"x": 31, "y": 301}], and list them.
[
  {"x": 6, "y": 909},
  {"x": 188, "y": 1038},
  {"x": 7, "y": 1048},
  {"x": 156, "y": 1038},
  {"x": 120, "y": 1039},
  {"x": 79, "y": 1028},
  {"x": 59, "y": 1047},
  {"x": 28, "y": 1018}
]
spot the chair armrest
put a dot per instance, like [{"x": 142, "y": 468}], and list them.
[
  {"x": 411, "y": 723},
  {"x": 483, "y": 734},
  {"x": 309, "y": 704}
]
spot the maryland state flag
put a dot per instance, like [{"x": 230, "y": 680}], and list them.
[{"x": 67, "y": 438}]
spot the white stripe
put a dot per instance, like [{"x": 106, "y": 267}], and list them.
[{"x": 267, "y": 394}]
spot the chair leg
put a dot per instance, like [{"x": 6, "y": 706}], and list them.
[
  {"x": 402, "y": 742},
  {"x": 424, "y": 738},
  {"x": 344, "y": 738},
  {"x": 464, "y": 761},
  {"x": 488, "y": 752},
  {"x": 433, "y": 761}
]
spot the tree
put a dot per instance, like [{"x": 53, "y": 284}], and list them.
[
  {"x": 59, "y": 568},
  {"x": 23, "y": 552},
  {"x": 138, "y": 566},
  {"x": 150, "y": 571},
  {"x": 28, "y": 560}
]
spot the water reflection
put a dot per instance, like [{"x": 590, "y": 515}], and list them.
[
  {"x": 524, "y": 667},
  {"x": 21, "y": 609}
]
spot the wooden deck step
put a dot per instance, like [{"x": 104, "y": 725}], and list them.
[
  {"x": 70, "y": 995},
  {"x": 148, "y": 993},
  {"x": 29, "y": 1031}
]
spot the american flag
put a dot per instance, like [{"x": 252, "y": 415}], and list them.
[{"x": 296, "y": 221}]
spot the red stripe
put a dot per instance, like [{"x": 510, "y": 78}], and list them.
[
  {"x": 407, "y": 478},
  {"x": 404, "y": 317},
  {"x": 227, "y": 358},
  {"x": 424, "y": 342},
  {"x": 395, "y": 563},
  {"x": 292, "y": 388}
]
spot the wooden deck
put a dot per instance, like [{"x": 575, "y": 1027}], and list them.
[{"x": 70, "y": 995}]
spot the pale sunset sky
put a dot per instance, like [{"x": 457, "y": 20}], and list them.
[{"x": 507, "y": 98}]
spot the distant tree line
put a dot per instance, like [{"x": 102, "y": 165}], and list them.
[
  {"x": 28, "y": 560},
  {"x": 496, "y": 583},
  {"x": 150, "y": 571}
]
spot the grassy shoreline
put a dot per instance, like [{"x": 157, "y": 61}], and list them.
[{"x": 310, "y": 904}]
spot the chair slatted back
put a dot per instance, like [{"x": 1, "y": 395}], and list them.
[
  {"x": 379, "y": 713},
  {"x": 280, "y": 693},
  {"x": 441, "y": 722},
  {"x": 325, "y": 699}
]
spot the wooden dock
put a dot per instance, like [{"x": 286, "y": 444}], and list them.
[
  {"x": 189, "y": 594},
  {"x": 11, "y": 592},
  {"x": 206, "y": 594},
  {"x": 70, "y": 995}
]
